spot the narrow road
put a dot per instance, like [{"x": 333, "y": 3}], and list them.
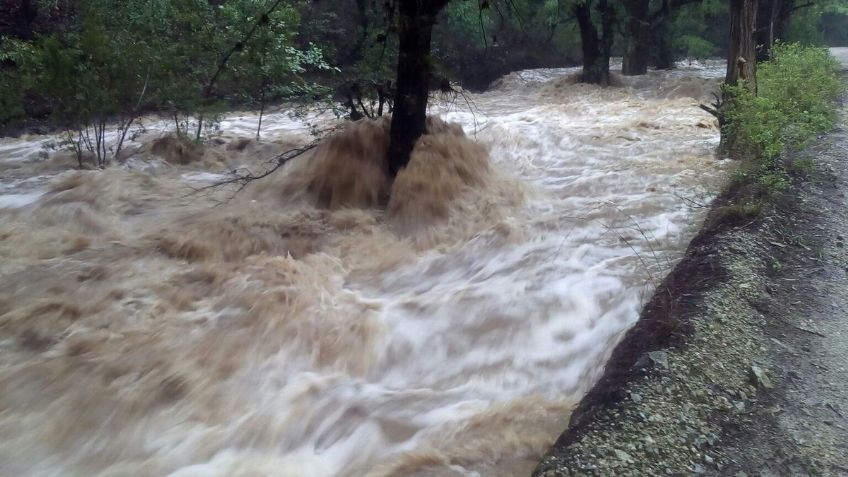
[{"x": 802, "y": 428}]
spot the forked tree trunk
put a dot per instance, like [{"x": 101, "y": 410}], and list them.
[
  {"x": 742, "y": 49},
  {"x": 596, "y": 46},
  {"x": 638, "y": 50},
  {"x": 769, "y": 15},
  {"x": 660, "y": 35},
  {"x": 415, "y": 26}
]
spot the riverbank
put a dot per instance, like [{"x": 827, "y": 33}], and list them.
[{"x": 738, "y": 365}]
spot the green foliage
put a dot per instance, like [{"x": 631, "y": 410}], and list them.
[
  {"x": 803, "y": 27},
  {"x": 794, "y": 103},
  {"x": 14, "y": 82},
  {"x": 117, "y": 58},
  {"x": 822, "y": 22},
  {"x": 699, "y": 30},
  {"x": 692, "y": 46},
  {"x": 469, "y": 23}
]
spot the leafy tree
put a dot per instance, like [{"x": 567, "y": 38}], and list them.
[{"x": 113, "y": 59}]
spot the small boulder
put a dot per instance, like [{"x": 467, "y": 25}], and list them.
[{"x": 760, "y": 379}]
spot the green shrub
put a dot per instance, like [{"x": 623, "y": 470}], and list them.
[
  {"x": 794, "y": 102},
  {"x": 192, "y": 58}
]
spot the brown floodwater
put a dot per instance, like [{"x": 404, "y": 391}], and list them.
[{"x": 327, "y": 321}]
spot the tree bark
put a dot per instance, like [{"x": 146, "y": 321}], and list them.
[
  {"x": 415, "y": 26},
  {"x": 742, "y": 49},
  {"x": 596, "y": 46},
  {"x": 663, "y": 53},
  {"x": 638, "y": 31}
]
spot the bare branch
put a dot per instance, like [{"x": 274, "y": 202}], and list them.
[
  {"x": 710, "y": 110},
  {"x": 243, "y": 177}
]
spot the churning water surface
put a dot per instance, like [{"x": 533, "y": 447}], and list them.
[{"x": 327, "y": 321}]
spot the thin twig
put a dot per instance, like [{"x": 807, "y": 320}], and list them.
[{"x": 691, "y": 203}]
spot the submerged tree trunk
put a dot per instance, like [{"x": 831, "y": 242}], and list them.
[
  {"x": 638, "y": 31},
  {"x": 596, "y": 46},
  {"x": 663, "y": 54},
  {"x": 742, "y": 49},
  {"x": 415, "y": 26},
  {"x": 660, "y": 35}
]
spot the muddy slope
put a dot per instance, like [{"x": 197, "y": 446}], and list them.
[{"x": 739, "y": 365}]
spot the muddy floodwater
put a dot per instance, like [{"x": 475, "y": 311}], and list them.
[{"x": 327, "y": 321}]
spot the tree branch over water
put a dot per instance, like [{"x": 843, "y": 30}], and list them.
[{"x": 243, "y": 176}]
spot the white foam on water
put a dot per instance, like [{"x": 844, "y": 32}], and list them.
[{"x": 162, "y": 333}]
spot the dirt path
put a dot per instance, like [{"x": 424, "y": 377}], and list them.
[
  {"x": 745, "y": 370},
  {"x": 802, "y": 427}
]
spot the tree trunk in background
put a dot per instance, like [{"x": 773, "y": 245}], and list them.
[
  {"x": 663, "y": 53},
  {"x": 742, "y": 49},
  {"x": 415, "y": 27},
  {"x": 359, "y": 46},
  {"x": 17, "y": 20},
  {"x": 769, "y": 25},
  {"x": 596, "y": 47},
  {"x": 660, "y": 40},
  {"x": 638, "y": 31},
  {"x": 783, "y": 12}
]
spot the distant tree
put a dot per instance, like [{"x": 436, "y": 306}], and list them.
[
  {"x": 646, "y": 32},
  {"x": 106, "y": 61},
  {"x": 775, "y": 19}
]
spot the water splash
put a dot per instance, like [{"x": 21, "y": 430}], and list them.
[{"x": 444, "y": 325}]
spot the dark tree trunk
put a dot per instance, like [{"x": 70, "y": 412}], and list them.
[
  {"x": 770, "y": 21},
  {"x": 783, "y": 14},
  {"x": 362, "y": 12},
  {"x": 22, "y": 19},
  {"x": 742, "y": 49},
  {"x": 661, "y": 51},
  {"x": 596, "y": 46},
  {"x": 662, "y": 54},
  {"x": 415, "y": 26},
  {"x": 638, "y": 31}
]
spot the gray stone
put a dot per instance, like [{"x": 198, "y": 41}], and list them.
[{"x": 760, "y": 379}]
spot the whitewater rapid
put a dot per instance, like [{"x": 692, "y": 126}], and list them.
[{"x": 147, "y": 328}]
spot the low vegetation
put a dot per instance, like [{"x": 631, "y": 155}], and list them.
[{"x": 794, "y": 103}]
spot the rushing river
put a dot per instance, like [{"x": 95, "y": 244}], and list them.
[{"x": 147, "y": 329}]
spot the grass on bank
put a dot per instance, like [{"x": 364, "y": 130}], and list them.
[{"x": 794, "y": 103}]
